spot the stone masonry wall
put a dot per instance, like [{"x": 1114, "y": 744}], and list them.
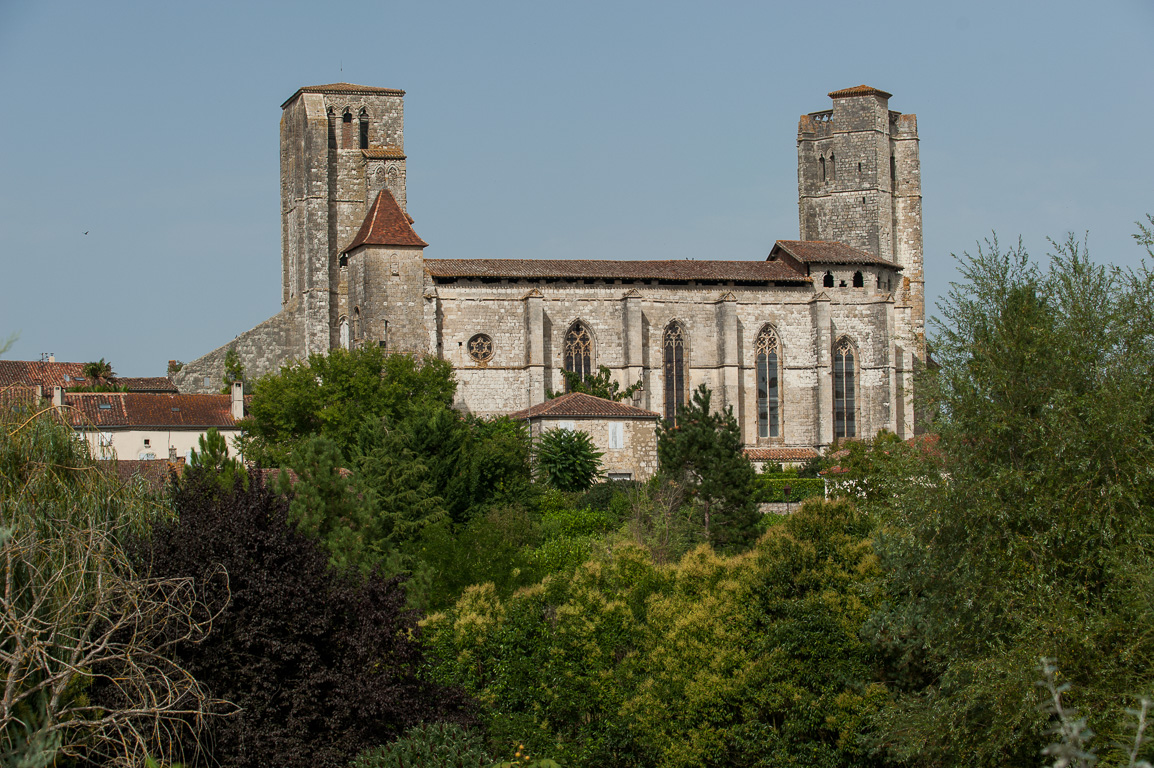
[
  {"x": 638, "y": 456},
  {"x": 263, "y": 349},
  {"x": 808, "y": 325}
]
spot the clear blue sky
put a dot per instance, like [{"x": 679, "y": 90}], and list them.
[{"x": 533, "y": 129}]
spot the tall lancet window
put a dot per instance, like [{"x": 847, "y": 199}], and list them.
[
  {"x": 579, "y": 350},
  {"x": 844, "y": 388},
  {"x": 768, "y": 349},
  {"x": 673, "y": 352}
]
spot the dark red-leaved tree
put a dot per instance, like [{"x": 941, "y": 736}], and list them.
[{"x": 320, "y": 665}]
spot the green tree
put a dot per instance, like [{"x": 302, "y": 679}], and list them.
[
  {"x": 703, "y": 451},
  {"x": 600, "y": 384},
  {"x": 98, "y": 372},
  {"x": 753, "y": 660},
  {"x": 326, "y": 504},
  {"x": 213, "y": 460},
  {"x": 233, "y": 370},
  {"x": 99, "y": 377},
  {"x": 1038, "y": 541},
  {"x": 567, "y": 460},
  {"x": 334, "y": 394}
]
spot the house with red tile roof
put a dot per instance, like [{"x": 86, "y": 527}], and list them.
[
  {"x": 625, "y": 435},
  {"x": 49, "y": 373},
  {"x": 143, "y": 426},
  {"x": 813, "y": 343}
]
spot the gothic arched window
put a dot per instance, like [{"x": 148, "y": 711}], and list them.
[
  {"x": 844, "y": 388},
  {"x": 768, "y": 349},
  {"x": 343, "y": 330},
  {"x": 673, "y": 355},
  {"x": 357, "y": 323},
  {"x": 827, "y": 281},
  {"x": 364, "y": 123},
  {"x": 832, "y": 167},
  {"x": 858, "y": 280},
  {"x": 579, "y": 350},
  {"x": 822, "y": 161}
]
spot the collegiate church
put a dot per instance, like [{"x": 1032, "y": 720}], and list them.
[{"x": 815, "y": 342}]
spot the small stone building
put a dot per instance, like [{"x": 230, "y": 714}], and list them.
[{"x": 626, "y": 435}]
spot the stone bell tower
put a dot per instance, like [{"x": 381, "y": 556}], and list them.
[
  {"x": 340, "y": 145},
  {"x": 859, "y": 183}
]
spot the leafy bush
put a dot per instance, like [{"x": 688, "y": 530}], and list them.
[
  {"x": 429, "y": 745},
  {"x": 294, "y": 643},
  {"x": 567, "y": 460},
  {"x": 602, "y": 495},
  {"x": 752, "y": 660},
  {"x": 768, "y": 490}
]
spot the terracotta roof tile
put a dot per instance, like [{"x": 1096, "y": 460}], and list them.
[
  {"x": 384, "y": 153},
  {"x": 386, "y": 224},
  {"x": 47, "y": 375},
  {"x": 20, "y": 396},
  {"x": 578, "y": 405},
  {"x": 859, "y": 90},
  {"x": 780, "y": 454},
  {"x": 673, "y": 269},
  {"x": 147, "y": 384},
  {"x": 367, "y": 90},
  {"x": 140, "y": 409},
  {"x": 827, "y": 252}
]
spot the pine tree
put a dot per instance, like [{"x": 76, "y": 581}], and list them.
[{"x": 703, "y": 450}]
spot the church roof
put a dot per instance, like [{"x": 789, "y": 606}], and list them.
[
  {"x": 827, "y": 252},
  {"x": 343, "y": 88},
  {"x": 859, "y": 90},
  {"x": 673, "y": 269},
  {"x": 386, "y": 224},
  {"x": 578, "y": 405}
]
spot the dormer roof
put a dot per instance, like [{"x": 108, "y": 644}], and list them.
[
  {"x": 826, "y": 252},
  {"x": 386, "y": 224}
]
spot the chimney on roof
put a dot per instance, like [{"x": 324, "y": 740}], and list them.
[
  {"x": 238, "y": 399},
  {"x": 58, "y": 397}
]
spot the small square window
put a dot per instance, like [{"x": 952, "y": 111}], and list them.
[{"x": 147, "y": 443}]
